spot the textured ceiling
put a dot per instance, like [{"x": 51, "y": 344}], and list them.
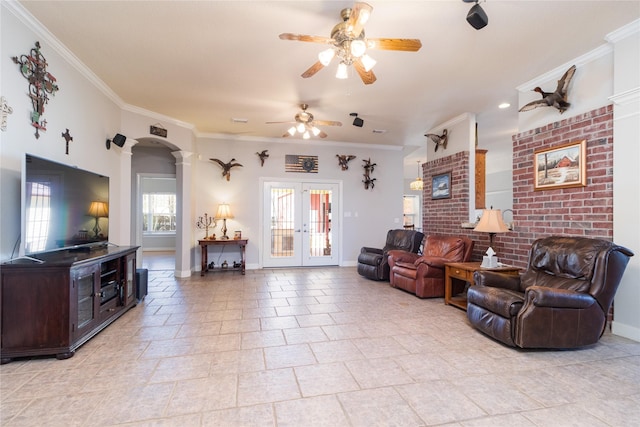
[{"x": 206, "y": 62}]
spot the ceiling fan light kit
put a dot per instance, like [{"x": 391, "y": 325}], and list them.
[{"x": 349, "y": 44}]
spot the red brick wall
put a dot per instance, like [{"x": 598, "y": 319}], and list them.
[
  {"x": 443, "y": 215},
  {"x": 581, "y": 211}
]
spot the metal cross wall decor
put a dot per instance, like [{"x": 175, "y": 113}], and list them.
[{"x": 34, "y": 68}]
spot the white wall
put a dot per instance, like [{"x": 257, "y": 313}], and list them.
[
  {"x": 90, "y": 116},
  {"x": 366, "y": 214},
  {"x": 626, "y": 174}
]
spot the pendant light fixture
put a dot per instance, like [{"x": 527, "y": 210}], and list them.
[{"x": 417, "y": 185}]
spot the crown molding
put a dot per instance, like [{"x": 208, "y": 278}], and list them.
[
  {"x": 623, "y": 32},
  {"x": 45, "y": 35},
  {"x": 557, "y": 72}
]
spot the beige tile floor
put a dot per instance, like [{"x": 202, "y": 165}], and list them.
[{"x": 313, "y": 347}]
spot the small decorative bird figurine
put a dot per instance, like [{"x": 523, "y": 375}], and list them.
[
  {"x": 263, "y": 155},
  {"x": 226, "y": 167},
  {"x": 344, "y": 159},
  {"x": 557, "y": 99},
  {"x": 439, "y": 139}
]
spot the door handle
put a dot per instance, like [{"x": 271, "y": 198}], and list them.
[{"x": 298, "y": 230}]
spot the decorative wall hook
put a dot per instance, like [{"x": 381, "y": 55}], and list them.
[
  {"x": 34, "y": 68},
  {"x": 344, "y": 159},
  {"x": 5, "y": 110}
]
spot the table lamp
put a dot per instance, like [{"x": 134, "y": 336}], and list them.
[
  {"x": 98, "y": 210},
  {"x": 491, "y": 222},
  {"x": 224, "y": 213}
]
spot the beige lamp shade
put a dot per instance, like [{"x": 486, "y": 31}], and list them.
[
  {"x": 491, "y": 222},
  {"x": 224, "y": 211},
  {"x": 99, "y": 209}
]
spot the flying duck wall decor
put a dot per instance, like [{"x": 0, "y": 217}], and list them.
[
  {"x": 226, "y": 167},
  {"x": 439, "y": 139},
  {"x": 557, "y": 99},
  {"x": 344, "y": 159},
  {"x": 263, "y": 155}
]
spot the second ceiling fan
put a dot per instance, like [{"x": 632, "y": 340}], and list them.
[
  {"x": 306, "y": 125},
  {"x": 350, "y": 45}
]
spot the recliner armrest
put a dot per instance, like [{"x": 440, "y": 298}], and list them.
[
  {"x": 541, "y": 296},
  {"x": 432, "y": 261},
  {"x": 371, "y": 250},
  {"x": 497, "y": 280},
  {"x": 402, "y": 256}
]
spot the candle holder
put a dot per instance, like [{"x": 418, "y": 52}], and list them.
[{"x": 204, "y": 224}]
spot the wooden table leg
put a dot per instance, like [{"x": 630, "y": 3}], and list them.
[
  {"x": 204, "y": 257},
  {"x": 447, "y": 287},
  {"x": 242, "y": 254}
]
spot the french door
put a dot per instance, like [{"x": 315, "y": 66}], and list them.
[{"x": 299, "y": 226}]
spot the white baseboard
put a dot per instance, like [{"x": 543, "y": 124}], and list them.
[{"x": 625, "y": 331}]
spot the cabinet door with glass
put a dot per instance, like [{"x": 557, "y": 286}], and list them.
[
  {"x": 84, "y": 282},
  {"x": 129, "y": 279}
]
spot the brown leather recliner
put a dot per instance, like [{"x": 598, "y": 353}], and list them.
[
  {"x": 423, "y": 275},
  {"x": 372, "y": 262},
  {"x": 560, "y": 301}
]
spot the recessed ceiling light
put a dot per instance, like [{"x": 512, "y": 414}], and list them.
[
  {"x": 379, "y": 131},
  {"x": 504, "y": 105},
  {"x": 237, "y": 120}
]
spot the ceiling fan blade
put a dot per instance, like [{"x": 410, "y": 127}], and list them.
[
  {"x": 367, "y": 76},
  {"x": 407, "y": 45},
  {"x": 359, "y": 16},
  {"x": 286, "y": 134},
  {"x": 322, "y": 134},
  {"x": 313, "y": 69},
  {"x": 305, "y": 38},
  {"x": 326, "y": 123}
]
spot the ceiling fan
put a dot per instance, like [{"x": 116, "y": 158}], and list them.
[
  {"x": 350, "y": 45},
  {"x": 306, "y": 125}
]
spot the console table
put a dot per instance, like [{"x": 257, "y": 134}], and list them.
[
  {"x": 204, "y": 249},
  {"x": 464, "y": 271}
]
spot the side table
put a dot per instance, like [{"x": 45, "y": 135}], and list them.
[
  {"x": 464, "y": 271},
  {"x": 204, "y": 245}
]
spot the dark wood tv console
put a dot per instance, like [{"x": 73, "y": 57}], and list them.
[{"x": 55, "y": 302}]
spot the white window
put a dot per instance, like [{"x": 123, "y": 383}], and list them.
[{"x": 159, "y": 213}]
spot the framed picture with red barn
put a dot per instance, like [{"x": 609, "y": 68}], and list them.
[{"x": 562, "y": 166}]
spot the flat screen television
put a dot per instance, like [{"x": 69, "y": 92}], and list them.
[{"x": 62, "y": 206}]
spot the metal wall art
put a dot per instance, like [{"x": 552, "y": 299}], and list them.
[
  {"x": 368, "y": 168},
  {"x": 344, "y": 159},
  {"x": 226, "y": 167},
  {"x": 67, "y": 137},
  {"x": 295, "y": 163},
  {"x": 263, "y": 155},
  {"x": 41, "y": 83}
]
